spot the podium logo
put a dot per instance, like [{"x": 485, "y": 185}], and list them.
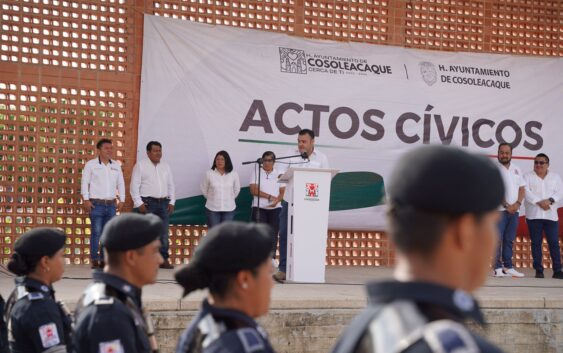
[
  {"x": 293, "y": 61},
  {"x": 311, "y": 190}
]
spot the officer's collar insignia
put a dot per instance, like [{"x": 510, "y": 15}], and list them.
[
  {"x": 250, "y": 340},
  {"x": 463, "y": 301},
  {"x": 126, "y": 288},
  {"x": 35, "y": 295},
  {"x": 44, "y": 288}
]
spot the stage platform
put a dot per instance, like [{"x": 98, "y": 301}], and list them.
[{"x": 523, "y": 315}]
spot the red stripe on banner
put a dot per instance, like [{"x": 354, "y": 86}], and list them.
[{"x": 513, "y": 157}]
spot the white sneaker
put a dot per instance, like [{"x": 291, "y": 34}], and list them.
[
  {"x": 499, "y": 273},
  {"x": 513, "y": 273}
]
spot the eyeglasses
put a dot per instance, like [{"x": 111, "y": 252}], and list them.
[
  {"x": 540, "y": 162},
  {"x": 267, "y": 160}
]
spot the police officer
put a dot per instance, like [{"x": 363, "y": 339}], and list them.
[
  {"x": 3, "y": 328},
  {"x": 36, "y": 321},
  {"x": 233, "y": 262},
  {"x": 443, "y": 221},
  {"x": 109, "y": 315}
]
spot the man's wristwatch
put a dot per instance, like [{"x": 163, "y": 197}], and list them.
[{"x": 551, "y": 200}]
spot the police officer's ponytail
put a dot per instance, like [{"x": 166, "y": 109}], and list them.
[
  {"x": 21, "y": 266},
  {"x": 227, "y": 249},
  {"x": 195, "y": 278},
  {"x": 32, "y": 246}
]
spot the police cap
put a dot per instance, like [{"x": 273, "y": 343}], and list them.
[
  {"x": 131, "y": 231},
  {"x": 39, "y": 242},
  {"x": 446, "y": 180},
  {"x": 226, "y": 249},
  {"x": 32, "y": 246}
]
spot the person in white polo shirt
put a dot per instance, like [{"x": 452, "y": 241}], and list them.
[
  {"x": 315, "y": 159},
  {"x": 268, "y": 194},
  {"x": 101, "y": 178},
  {"x": 543, "y": 192},
  {"x": 509, "y": 212},
  {"x": 152, "y": 190}
]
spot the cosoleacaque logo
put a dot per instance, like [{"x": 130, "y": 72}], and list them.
[
  {"x": 293, "y": 61},
  {"x": 428, "y": 72}
]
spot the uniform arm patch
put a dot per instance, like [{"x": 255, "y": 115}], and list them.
[
  {"x": 447, "y": 336},
  {"x": 250, "y": 340},
  {"x": 49, "y": 335},
  {"x": 114, "y": 346}
]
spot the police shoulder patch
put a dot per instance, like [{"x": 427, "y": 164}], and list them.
[
  {"x": 250, "y": 340},
  {"x": 35, "y": 295},
  {"x": 446, "y": 336},
  {"x": 49, "y": 335},
  {"x": 114, "y": 346}
]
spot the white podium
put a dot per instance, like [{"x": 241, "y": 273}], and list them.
[{"x": 308, "y": 195}]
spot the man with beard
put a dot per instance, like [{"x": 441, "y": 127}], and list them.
[{"x": 514, "y": 187}]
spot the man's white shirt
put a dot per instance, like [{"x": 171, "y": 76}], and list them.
[
  {"x": 151, "y": 180},
  {"x": 538, "y": 189},
  {"x": 317, "y": 159},
  {"x": 101, "y": 181},
  {"x": 513, "y": 179}
]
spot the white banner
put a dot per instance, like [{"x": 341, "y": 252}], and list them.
[{"x": 209, "y": 88}]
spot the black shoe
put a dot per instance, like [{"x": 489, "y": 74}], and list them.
[
  {"x": 558, "y": 274},
  {"x": 539, "y": 274}
]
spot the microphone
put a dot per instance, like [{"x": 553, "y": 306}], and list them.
[{"x": 304, "y": 155}]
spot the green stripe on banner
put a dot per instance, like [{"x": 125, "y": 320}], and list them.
[
  {"x": 349, "y": 190},
  {"x": 352, "y": 190}
]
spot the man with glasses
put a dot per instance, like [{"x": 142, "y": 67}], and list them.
[
  {"x": 543, "y": 192},
  {"x": 513, "y": 197}
]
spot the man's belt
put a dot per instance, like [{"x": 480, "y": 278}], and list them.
[
  {"x": 103, "y": 202},
  {"x": 157, "y": 199}
]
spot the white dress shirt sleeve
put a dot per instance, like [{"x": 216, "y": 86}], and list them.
[
  {"x": 171, "y": 189},
  {"x": 236, "y": 184},
  {"x": 135, "y": 186},
  {"x": 558, "y": 189},
  {"x": 324, "y": 163},
  {"x": 205, "y": 185},
  {"x": 85, "y": 183},
  {"x": 529, "y": 195},
  {"x": 120, "y": 184}
]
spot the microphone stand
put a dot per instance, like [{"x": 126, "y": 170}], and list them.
[{"x": 260, "y": 162}]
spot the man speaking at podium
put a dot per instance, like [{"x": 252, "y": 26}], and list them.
[{"x": 311, "y": 157}]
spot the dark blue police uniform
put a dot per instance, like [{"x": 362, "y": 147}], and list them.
[
  {"x": 217, "y": 330},
  {"x": 109, "y": 318},
  {"x": 414, "y": 317},
  {"x": 3, "y": 328},
  {"x": 36, "y": 322}
]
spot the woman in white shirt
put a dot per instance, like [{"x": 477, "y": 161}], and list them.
[
  {"x": 220, "y": 187},
  {"x": 268, "y": 206}
]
